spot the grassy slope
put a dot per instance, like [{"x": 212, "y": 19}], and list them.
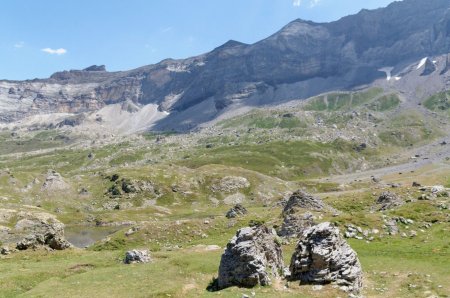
[
  {"x": 438, "y": 102},
  {"x": 390, "y": 265}
]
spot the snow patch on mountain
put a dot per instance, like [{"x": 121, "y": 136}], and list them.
[
  {"x": 388, "y": 71},
  {"x": 422, "y": 62}
]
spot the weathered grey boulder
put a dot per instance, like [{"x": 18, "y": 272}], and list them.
[
  {"x": 388, "y": 200},
  {"x": 5, "y": 250},
  {"x": 251, "y": 258},
  {"x": 237, "y": 210},
  {"x": 294, "y": 225},
  {"x": 322, "y": 256},
  {"x": 41, "y": 229},
  {"x": 137, "y": 256},
  {"x": 303, "y": 200},
  {"x": 43, "y": 240}
]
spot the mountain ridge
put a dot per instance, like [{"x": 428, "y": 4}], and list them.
[{"x": 301, "y": 60}]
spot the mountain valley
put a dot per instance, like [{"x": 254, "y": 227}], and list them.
[{"x": 345, "y": 122}]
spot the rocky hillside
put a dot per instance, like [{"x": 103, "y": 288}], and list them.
[{"x": 303, "y": 59}]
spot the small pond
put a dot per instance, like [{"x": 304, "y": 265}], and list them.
[{"x": 83, "y": 236}]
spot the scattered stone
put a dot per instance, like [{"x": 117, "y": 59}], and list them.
[
  {"x": 111, "y": 205},
  {"x": 230, "y": 184},
  {"x": 437, "y": 189},
  {"x": 131, "y": 231},
  {"x": 426, "y": 225},
  {"x": 236, "y": 211},
  {"x": 322, "y": 256},
  {"x": 128, "y": 186},
  {"x": 83, "y": 192},
  {"x": 251, "y": 258},
  {"x": 5, "y": 251},
  {"x": 375, "y": 179},
  {"x": 361, "y": 147},
  {"x": 405, "y": 221},
  {"x": 391, "y": 226},
  {"x": 114, "y": 177},
  {"x": 415, "y": 184},
  {"x": 425, "y": 197},
  {"x": 388, "y": 200},
  {"x": 137, "y": 256}
]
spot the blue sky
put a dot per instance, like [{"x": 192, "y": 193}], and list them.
[{"x": 44, "y": 36}]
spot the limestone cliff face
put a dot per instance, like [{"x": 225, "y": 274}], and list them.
[{"x": 302, "y": 59}]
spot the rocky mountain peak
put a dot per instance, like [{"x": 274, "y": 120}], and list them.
[
  {"x": 301, "y": 60},
  {"x": 95, "y": 68}
]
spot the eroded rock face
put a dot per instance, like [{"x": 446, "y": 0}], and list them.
[
  {"x": 236, "y": 211},
  {"x": 322, "y": 256},
  {"x": 137, "y": 256},
  {"x": 388, "y": 200},
  {"x": 251, "y": 258},
  {"x": 303, "y": 200},
  {"x": 294, "y": 225}
]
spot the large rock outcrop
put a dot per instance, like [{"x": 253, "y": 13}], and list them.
[
  {"x": 322, "y": 256},
  {"x": 293, "y": 225},
  {"x": 251, "y": 258},
  {"x": 41, "y": 230},
  {"x": 303, "y": 200}
]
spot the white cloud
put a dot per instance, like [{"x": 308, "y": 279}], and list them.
[
  {"x": 50, "y": 51},
  {"x": 313, "y": 3},
  {"x": 167, "y": 29},
  {"x": 19, "y": 45}
]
